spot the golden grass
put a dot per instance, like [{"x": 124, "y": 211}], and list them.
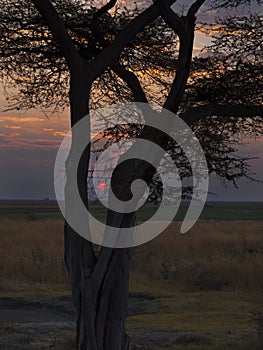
[
  {"x": 31, "y": 252},
  {"x": 213, "y": 256}
]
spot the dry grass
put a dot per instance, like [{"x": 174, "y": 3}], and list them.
[
  {"x": 31, "y": 252},
  {"x": 213, "y": 256}
]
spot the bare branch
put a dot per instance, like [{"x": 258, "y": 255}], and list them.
[
  {"x": 59, "y": 32},
  {"x": 197, "y": 113}
]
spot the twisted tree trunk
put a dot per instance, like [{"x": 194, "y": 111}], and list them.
[{"x": 99, "y": 281}]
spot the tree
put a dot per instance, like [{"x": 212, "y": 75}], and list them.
[{"x": 50, "y": 46}]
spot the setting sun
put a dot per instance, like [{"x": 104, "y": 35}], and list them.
[{"x": 102, "y": 186}]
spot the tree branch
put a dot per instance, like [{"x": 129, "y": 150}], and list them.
[
  {"x": 185, "y": 28},
  {"x": 129, "y": 77},
  {"x": 94, "y": 24},
  {"x": 59, "y": 32},
  {"x": 169, "y": 16},
  {"x": 194, "y": 8},
  {"x": 182, "y": 69},
  {"x": 197, "y": 113},
  {"x": 112, "y": 51},
  {"x": 132, "y": 81}
]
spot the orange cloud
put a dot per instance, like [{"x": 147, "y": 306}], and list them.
[
  {"x": 12, "y": 127},
  {"x": 9, "y": 135},
  {"x": 48, "y": 129},
  {"x": 60, "y": 133},
  {"x": 21, "y": 119},
  {"x": 39, "y": 140},
  {"x": 32, "y": 144}
]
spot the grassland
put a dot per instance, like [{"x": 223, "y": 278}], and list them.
[
  {"x": 213, "y": 256},
  {"x": 230, "y": 211},
  {"x": 205, "y": 286}
]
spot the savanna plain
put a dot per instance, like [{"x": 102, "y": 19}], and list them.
[{"x": 201, "y": 290}]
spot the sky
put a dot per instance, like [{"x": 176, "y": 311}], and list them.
[{"x": 29, "y": 142}]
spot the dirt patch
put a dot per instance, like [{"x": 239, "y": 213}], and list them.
[{"x": 47, "y": 323}]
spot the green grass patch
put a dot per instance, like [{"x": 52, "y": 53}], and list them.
[
  {"x": 213, "y": 312},
  {"x": 201, "y": 320}
]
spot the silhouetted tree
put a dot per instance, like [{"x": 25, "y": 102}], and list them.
[{"x": 74, "y": 52}]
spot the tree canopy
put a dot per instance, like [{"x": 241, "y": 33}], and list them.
[{"x": 225, "y": 79}]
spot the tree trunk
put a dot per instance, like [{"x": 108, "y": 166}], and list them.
[
  {"x": 106, "y": 307},
  {"x": 99, "y": 283}
]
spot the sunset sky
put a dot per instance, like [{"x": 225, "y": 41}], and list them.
[{"x": 29, "y": 142}]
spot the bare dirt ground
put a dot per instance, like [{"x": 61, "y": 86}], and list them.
[{"x": 50, "y": 323}]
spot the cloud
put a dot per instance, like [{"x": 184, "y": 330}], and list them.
[
  {"x": 9, "y": 135},
  {"x": 12, "y": 127},
  {"x": 60, "y": 133},
  {"x": 40, "y": 142},
  {"x": 196, "y": 48},
  {"x": 22, "y": 119},
  {"x": 48, "y": 129}
]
